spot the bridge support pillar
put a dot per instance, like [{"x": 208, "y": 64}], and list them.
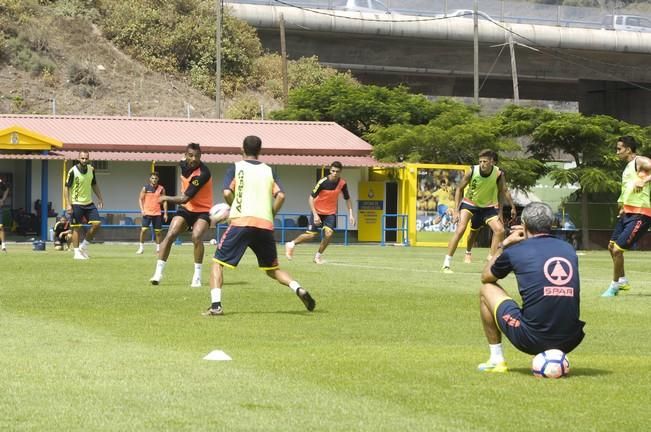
[{"x": 620, "y": 100}]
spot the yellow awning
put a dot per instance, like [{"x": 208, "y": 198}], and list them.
[{"x": 19, "y": 138}]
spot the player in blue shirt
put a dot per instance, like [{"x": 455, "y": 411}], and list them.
[{"x": 547, "y": 273}]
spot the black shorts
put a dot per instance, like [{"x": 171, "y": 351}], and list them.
[
  {"x": 191, "y": 217},
  {"x": 508, "y": 317},
  {"x": 155, "y": 221},
  {"x": 630, "y": 227},
  {"x": 235, "y": 240},
  {"x": 480, "y": 215},
  {"x": 327, "y": 221},
  {"x": 82, "y": 214}
]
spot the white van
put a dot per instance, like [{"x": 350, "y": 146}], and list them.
[
  {"x": 626, "y": 22},
  {"x": 373, "y": 6}
]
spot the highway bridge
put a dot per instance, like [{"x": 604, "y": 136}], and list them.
[{"x": 606, "y": 72}]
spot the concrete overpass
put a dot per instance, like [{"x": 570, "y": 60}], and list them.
[{"x": 607, "y": 72}]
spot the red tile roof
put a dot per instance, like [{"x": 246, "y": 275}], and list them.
[
  {"x": 133, "y": 136},
  {"x": 304, "y": 160}
]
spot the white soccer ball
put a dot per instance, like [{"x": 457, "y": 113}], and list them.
[
  {"x": 552, "y": 363},
  {"x": 219, "y": 212}
]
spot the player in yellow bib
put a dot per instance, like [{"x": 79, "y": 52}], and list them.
[
  {"x": 78, "y": 193},
  {"x": 478, "y": 201},
  {"x": 255, "y": 196},
  {"x": 634, "y": 217}
]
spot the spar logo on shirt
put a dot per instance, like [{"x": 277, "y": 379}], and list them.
[{"x": 558, "y": 271}]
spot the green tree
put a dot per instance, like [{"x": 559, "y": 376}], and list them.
[
  {"x": 589, "y": 140},
  {"x": 355, "y": 106}
]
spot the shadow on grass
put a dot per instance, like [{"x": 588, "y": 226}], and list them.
[
  {"x": 283, "y": 312},
  {"x": 573, "y": 372}
]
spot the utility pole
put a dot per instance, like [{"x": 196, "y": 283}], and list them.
[
  {"x": 514, "y": 71},
  {"x": 475, "y": 69},
  {"x": 218, "y": 58},
  {"x": 283, "y": 51}
]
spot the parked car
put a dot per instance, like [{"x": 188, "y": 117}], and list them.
[
  {"x": 373, "y": 6},
  {"x": 626, "y": 22},
  {"x": 468, "y": 13}
]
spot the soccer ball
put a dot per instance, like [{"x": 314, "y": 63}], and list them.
[
  {"x": 552, "y": 363},
  {"x": 219, "y": 212}
]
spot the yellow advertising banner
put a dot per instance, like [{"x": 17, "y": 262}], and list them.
[{"x": 370, "y": 210}]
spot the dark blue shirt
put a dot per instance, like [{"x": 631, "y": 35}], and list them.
[{"x": 547, "y": 271}]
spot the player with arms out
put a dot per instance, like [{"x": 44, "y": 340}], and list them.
[
  {"x": 255, "y": 196},
  {"x": 194, "y": 203},
  {"x": 477, "y": 201},
  {"x": 78, "y": 193},
  {"x": 323, "y": 204},
  {"x": 634, "y": 217},
  {"x": 149, "y": 201},
  {"x": 547, "y": 272}
]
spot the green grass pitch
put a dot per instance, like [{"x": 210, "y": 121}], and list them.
[{"x": 392, "y": 346}]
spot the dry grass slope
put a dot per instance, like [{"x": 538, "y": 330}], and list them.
[{"x": 92, "y": 77}]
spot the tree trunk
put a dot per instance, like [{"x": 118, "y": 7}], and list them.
[{"x": 585, "y": 233}]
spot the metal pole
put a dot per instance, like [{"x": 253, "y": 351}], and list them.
[
  {"x": 54, "y": 106},
  {"x": 283, "y": 51},
  {"x": 514, "y": 72},
  {"x": 218, "y": 59},
  {"x": 475, "y": 70},
  {"x": 128, "y": 109},
  {"x": 44, "y": 199}
]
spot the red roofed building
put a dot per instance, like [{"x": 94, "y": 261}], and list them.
[{"x": 36, "y": 151}]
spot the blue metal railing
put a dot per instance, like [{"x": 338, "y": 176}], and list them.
[
  {"x": 284, "y": 222},
  {"x": 402, "y": 226}
]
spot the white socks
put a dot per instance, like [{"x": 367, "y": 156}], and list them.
[
  {"x": 497, "y": 356},
  {"x": 216, "y": 295},
  {"x": 447, "y": 261},
  {"x": 84, "y": 244},
  {"x": 294, "y": 285},
  {"x": 290, "y": 244},
  {"x": 197, "y": 271}
]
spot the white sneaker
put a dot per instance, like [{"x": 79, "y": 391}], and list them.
[
  {"x": 140, "y": 251},
  {"x": 80, "y": 256},
  {"x": 84, "y": 253},
  {"x": 319, "y": 260},
  {"x": 196, "y": 283},
  {"x": 155, "y": 279}
]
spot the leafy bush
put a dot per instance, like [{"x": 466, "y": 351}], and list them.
[{"x": 82, "y": 74}]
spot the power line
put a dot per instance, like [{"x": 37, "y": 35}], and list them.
[{"x": 552, "y": 52}]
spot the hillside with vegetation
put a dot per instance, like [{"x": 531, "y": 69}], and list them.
[{"x": 143, "y": 57}]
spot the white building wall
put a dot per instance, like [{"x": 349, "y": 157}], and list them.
[{"x": 121, "y": 184}]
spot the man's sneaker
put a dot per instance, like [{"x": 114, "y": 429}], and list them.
[
  {"x": 196, "y": 283},
  {"x": 140, "y": 251},
  {"x": 155, "y": 279},
  {"x": 213, "y": 312},
  {"x": 493, "y": 367},
  {"x": 446, "y": 270},
  {"x": 467, "y": 259},
  {"x": 306, "y": 298},
  {"x": 289, "y": 251},
  {"x": 319, "y": 260},
  {"x": 4, "y": 249},
  {"x": 612, "y": 291},
  {"x": 624, "y": 286},
  {"x": 80, "y": 256},
  {"x": 84, "y": 253}
]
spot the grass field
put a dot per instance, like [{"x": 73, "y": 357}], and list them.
[{"x": 392, "y": 345}]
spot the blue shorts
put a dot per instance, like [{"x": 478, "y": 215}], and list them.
[
  {"x": 236, "y": 239},
  {"x": 630, "y": 227},
  {"x": 327, "y": 221},
  {"x": 156, "y": 221},
  {"x": 191, "y": 218},
  {"x": 82, "y": 214},
  {"x": 508, "y": 317},
  {"x": 480, "y": 215}
]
